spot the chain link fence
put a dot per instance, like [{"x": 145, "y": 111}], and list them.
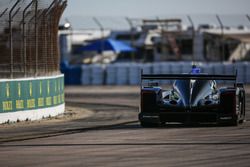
[{"x": 28, "y": 37}]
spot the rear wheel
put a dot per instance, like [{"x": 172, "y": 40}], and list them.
[
  {"x": 235, "y": 122},
  {"x": 241, "y": 121},
  {"x": 148, "y": 124},
  {"x": 242, "y": 107}
]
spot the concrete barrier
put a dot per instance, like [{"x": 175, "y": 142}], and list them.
[
  {"x": 147, "y": 68},
  {"x": 86, "y": 75},
  {"x": 129, "y": 73},
  {"x": 122, "y": 74},
  {"x": 218, "y": 69},
  {"x": 247, "y": 73},
  {"x": 207, "y": 68},
  {"x": 134, "y": 74},
  {"x": 165, "y": 68},
  {"x": 97, "y": 74},
  {"x": 186, "y": 67},
  {"x": 31, "y": 98},
  {"x": 111, "y": 74},
  {"x": 240, "y": 67}
]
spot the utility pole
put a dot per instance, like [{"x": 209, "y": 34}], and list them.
[
  {"x": 222, "y": 37},
  {"x": 193, "y": 35},
  {"x": 132, "y": 39},
  {"x": 102, "y": 33},
  {"x": 163, "y": 42}
]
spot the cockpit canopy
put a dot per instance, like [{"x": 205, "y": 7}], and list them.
[{"x": 191, "y": 91}]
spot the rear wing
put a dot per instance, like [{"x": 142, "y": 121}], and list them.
[{"x": 187, "y": 77}]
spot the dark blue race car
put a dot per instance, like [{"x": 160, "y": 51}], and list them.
[{"x": 193, "y": 98}]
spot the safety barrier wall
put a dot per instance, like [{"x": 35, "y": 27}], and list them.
[
  {"x": 129, "y": 73},
  {"x": 31, "y": 98}
]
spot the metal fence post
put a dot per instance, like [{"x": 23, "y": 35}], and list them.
[
  {"x": 3, "y": 12},
  {"x": 24, "y": 39},
  {"x": 10, "y": 37},
  {"x": 36, "y": 39},
  {"x": 47, "y": 35}
]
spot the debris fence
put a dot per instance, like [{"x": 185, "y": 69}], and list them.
[{"x": 28, "y": 37}]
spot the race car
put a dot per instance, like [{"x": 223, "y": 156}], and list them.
[{"x": 193, "y": 98}]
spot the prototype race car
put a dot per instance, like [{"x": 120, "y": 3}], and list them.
[{"x": 193, "y": 98}]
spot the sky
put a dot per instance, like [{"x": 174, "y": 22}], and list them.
[{"x": 87, "y": 9}]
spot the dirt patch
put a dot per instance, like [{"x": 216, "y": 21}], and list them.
[{"x": 71, "y": 113}]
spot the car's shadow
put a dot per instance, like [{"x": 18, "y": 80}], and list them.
[{"x": 166, "y": 126}]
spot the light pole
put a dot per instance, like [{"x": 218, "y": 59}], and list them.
[
  {"x": 222, "y": 37},
  {"x": 102, "y": 33},
  {"x": 193, "y": 35},
  {"x": 131, "y": 36}
]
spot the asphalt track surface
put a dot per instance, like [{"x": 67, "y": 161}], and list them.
[{"x": 111, "y": 136}]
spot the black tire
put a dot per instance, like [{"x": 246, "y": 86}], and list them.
[
  {"x": 233, "y": 122},
  {"x": 241, "y": 121},
  {"x": 242, "y": 109},
  {"x": 242, "y": 114},
  {"x": 148, "y": 124}
]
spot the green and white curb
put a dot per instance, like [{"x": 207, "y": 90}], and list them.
[{"x": 31, "y": 98}]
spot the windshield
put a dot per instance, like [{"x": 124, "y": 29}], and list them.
[
  {"x": 191, "y": 91},
  {"x": 182, "y": 87}
]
